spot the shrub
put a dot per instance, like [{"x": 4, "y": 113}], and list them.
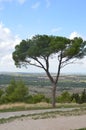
[
  {"x": 29, "y": 99},
  {"x": 76, "y": 97},
  {"x": 1, "y": 92},
  {"x": 20, "y": 93},
  {"x": 83, "y": 97},
  {"x": 38, "y": 98},
  {"x": 65, "y": 97},
  {"x": 1, "y": 95},
  {"x": 15, "y": 92},
  {"x": 79, "y": 98}
]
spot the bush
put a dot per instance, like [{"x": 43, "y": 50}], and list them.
[
  {"x": 20, "y": 93},
  {"x": 65, "y": 97},
  {"x": 10, "y": 89},
  {"x": 79, "y": 98},
  {"x": 1, "y": 92},
  {"x": 29, "y": 99},
  {"x": 1, "y": 95},
  {"x": 15, "y": 92},
  {"x": 83, "y": 97},
  {"x": 76, "y": 97},
  {"x": 38, "y": 98}
]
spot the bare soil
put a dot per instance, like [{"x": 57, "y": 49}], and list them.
[{"x": 58, "y": 123}]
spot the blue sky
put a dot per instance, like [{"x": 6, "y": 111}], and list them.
[{"x": 21, "y": 19}]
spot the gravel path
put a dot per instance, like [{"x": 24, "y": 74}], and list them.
[
  {"x": 59, "y": 123},
  {"x": 13, "y": 114}
]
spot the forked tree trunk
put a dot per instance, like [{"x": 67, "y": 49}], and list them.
[{"x": 54, "y": 81}]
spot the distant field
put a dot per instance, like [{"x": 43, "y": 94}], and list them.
[{"x": 39, "y": 83}]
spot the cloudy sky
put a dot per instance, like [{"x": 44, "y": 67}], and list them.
[{"x": 21, "y": 19}]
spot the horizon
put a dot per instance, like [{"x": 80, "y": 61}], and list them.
[{"x": 34, "y": 73}]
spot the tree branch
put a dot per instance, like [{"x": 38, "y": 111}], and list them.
[
  {"x": 50, "y": 77},
  {"x": 33, "y": 64},
  {"x": 66, "y": 63},
  {"x": 42, "y": 66},
  {"x": 59, "y": 67},
  {"x": 47, "y": 63}
]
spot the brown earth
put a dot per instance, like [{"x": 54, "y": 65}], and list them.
[{"x": 59, "y": 123}]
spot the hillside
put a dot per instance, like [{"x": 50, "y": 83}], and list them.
[{"x": 39, "y": 83}]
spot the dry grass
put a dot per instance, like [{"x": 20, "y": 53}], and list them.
[
  {"x": 42, "y": 105},
  {"x": 24, "y": 105}
]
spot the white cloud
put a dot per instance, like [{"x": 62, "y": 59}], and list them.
[
  {"x": 6, "y": 37},
  {"x": 35, "y": 5},
  {"x": 7, "y": 44},
  {"x": 6, "y": 59},
  {"x": 74, "y": 34}
]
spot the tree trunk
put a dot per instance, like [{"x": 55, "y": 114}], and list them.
[
  {"x": 54, "y": 81},
  {"x": 54, "y": 95}
]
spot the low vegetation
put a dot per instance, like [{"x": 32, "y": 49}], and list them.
[
  {"x": 66, "y": 97},
  {"x": 17, "y": 91}
]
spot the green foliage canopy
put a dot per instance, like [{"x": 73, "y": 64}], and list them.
[{"x": 44, "y": 46}]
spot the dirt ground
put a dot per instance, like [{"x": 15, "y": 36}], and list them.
[{"x": 59, "y": 123}]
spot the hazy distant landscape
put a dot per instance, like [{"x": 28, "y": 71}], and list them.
[{"x": 39, "y": 83}]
